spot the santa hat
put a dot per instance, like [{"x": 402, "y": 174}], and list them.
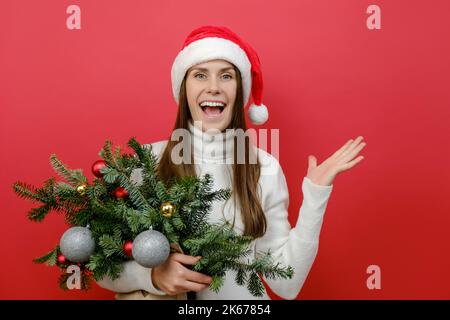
[{"x": 209, "y": 43}]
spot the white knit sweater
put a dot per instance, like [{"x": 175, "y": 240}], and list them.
[{"x": 296, "y": 246}]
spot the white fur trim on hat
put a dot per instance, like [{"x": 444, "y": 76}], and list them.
[
  {"x": 258, "y": 114},
  {"x": 207, "y": 49}
]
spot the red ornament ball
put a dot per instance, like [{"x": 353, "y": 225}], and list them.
[
  {"x": 97, "y": 166},
  {"x": 61, "y": 259},
  {"x": 128, "y": 248},
  {"x": 120, "y": 193}
]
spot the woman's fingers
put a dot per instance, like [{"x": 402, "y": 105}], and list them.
[
  {"x": 349, "y": 155},
  {"x": 198, "y": 277},
  {"x": 189, "y": 274},
  {"x": 174, "y": 277},
  {"x": 194, "y": 286},
  {"x": 312, "y": 162},
  {"x": 348, "y": 148},
  {"x": 195, "y": 281},
  {"x": 353, "y": 144},
  {"x": 343, "y": 148},
  {"x": 352, "y": 163},
  {"x": 185, "y": 259}
]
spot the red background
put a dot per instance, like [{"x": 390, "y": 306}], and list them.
[{"x": 327, "y": 79}]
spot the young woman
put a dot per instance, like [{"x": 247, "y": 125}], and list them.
[{"x": 213, "y": 77}]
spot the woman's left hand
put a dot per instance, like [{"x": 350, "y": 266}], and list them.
[{"x": 342, "y": 160}]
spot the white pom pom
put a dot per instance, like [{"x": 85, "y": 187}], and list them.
[{"x": 258, "y": 114}]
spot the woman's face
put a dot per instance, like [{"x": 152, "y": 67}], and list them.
[{"x": 211, "y": 93}]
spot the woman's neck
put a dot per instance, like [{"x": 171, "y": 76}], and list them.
[{"x": 211, "y": 145}]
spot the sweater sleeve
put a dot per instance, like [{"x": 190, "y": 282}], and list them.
[
  {"x": 296, "y": 246},
  {"x": 133, "y": 277}
]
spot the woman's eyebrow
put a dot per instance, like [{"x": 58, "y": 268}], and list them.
[{"x": 206, "y": 70}]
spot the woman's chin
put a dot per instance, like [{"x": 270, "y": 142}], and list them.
[
  {"x": 214, "y": 123},
  {"x": 218, "y": 122},
  {"x": 213, "y": 126}
]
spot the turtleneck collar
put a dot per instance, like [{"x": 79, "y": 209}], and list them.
[{"x": 212, "y": 145}]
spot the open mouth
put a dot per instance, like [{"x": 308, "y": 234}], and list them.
[{"x": 212, "y": 108}]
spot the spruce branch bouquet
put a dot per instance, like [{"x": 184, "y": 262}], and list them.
[{"x": 117, "y": 218}]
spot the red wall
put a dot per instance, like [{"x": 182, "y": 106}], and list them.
[{"x": 328, "y": 78}]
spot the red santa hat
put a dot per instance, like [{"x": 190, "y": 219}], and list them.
[{"x": 210, "y": 43}]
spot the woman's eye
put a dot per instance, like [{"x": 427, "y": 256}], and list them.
[
  {"x": 202, "y": 76},
  {"x": 199, "y": 76}
]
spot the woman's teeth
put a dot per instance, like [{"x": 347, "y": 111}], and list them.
[
  {"x": 212, "y": 104},
  {"x": 212, "y": 108}
]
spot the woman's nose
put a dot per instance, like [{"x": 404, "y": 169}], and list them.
[{"x": 213, "y": 86}]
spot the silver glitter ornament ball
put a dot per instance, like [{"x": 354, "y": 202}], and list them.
[
  {"x": 151, "y": 248},
  {"x": 77, "y": 244}
]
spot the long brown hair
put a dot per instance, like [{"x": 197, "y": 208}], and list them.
[{"x": 245, "y": 175}]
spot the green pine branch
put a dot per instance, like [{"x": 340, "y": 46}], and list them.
[
  {"x": 27, "y": 191},
  {"x": 107, "y": 154},
  {"x": 75, "y": 177},
  {"x": 50, "y": 258}
]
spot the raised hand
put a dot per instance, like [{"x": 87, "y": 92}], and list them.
[{"x": 342, "y": 160}]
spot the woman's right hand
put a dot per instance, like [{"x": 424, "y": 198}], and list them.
[{"x": 173, "y": 277}]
